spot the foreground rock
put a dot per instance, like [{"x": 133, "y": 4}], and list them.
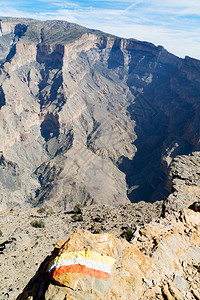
[
  {"x": 161, "y": 262},
  {"x": 186, "y": 184},
  {"x": 30, "y": 234}
]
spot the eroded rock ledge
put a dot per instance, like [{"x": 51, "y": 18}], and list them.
[{"x": 185, "y": 171}]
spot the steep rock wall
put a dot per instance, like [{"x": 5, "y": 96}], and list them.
[{"x": 109, "y": 113}]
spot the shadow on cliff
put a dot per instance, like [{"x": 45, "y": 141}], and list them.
[
  {"x": 116, "y": 57},
  {"x": 2, "y": 98},
  {"x": 52, "y": 79},
  {"x": 160, "y": 111}
]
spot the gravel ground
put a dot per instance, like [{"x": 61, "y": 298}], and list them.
[{"x": 23, "y": 247}]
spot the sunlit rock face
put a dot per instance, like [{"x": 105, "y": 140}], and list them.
[
  {"x": 161, "y": 262},
  {"x": 186, "y": 184},
  {"x": 89, "y": 117}
]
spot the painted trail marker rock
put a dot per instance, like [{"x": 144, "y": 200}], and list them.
[
  {"x": 157, "y": 264},
  {"x": 89, "y": 263}
]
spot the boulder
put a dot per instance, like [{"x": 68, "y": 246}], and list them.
[
  {"x": 186, "y": 184},
  {"x": 155, "y": 265}
]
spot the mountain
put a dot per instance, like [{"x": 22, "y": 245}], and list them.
[{"x": 90, "y": 118}]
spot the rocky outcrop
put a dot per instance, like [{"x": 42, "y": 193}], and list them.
[
  {"x": 161, "y": 262},
  {"x": 105, "y": 115},
  {"x": 23, "y": 247},
  {"x": 186, "y": 183}
]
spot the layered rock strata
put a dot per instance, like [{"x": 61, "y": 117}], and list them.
[
  {"x": 186, "y": 184},
  {"x": 89, "y": 117}
]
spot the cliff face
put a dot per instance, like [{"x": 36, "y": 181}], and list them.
[
  {"x": 88, "y": 117},
  {"x": 186, "y": 184}
]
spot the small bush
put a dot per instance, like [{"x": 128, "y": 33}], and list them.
[
  {"x": 39, "y": 236},
  {"x": 1, "y": 233},
  {"x": 97, "y": 231},
  {"x": 77, "y": 217},
  {"x": 77, "y": 208},
  {"x": 41, "y": 210},
  {"x": 97, "y": 228},
  {"x": 128, "y": 234},
  {"x": 50, "y": 211},
  {"x": 38, "y": 224}
]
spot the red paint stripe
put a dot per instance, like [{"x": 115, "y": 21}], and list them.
[{"x": 81, "y": 269}]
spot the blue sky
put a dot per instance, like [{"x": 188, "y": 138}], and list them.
[{"x": 175, "y": 24}]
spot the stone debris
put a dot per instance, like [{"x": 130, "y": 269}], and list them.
[
  {"x": 23, "y": 247},
  {"x": 186, "y": 184},
  {"x": 77, "y": 267}
]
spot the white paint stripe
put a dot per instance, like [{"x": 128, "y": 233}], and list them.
[{"x": 96, "y": 265}]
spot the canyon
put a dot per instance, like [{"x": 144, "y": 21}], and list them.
[
  {"x": 90, "y": 118},
  {"x": 99, "y": 152}
]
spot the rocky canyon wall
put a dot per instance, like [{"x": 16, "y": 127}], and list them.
[{"x": 88, "y": 117}]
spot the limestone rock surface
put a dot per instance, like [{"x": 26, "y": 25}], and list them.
[
  {"x": 23, "y": 247},
  {"x": 186, "y": 183},
  {"x": 161, "y": 262}
]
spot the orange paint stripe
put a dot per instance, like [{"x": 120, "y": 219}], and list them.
[{"x": 81, "y": 269}]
